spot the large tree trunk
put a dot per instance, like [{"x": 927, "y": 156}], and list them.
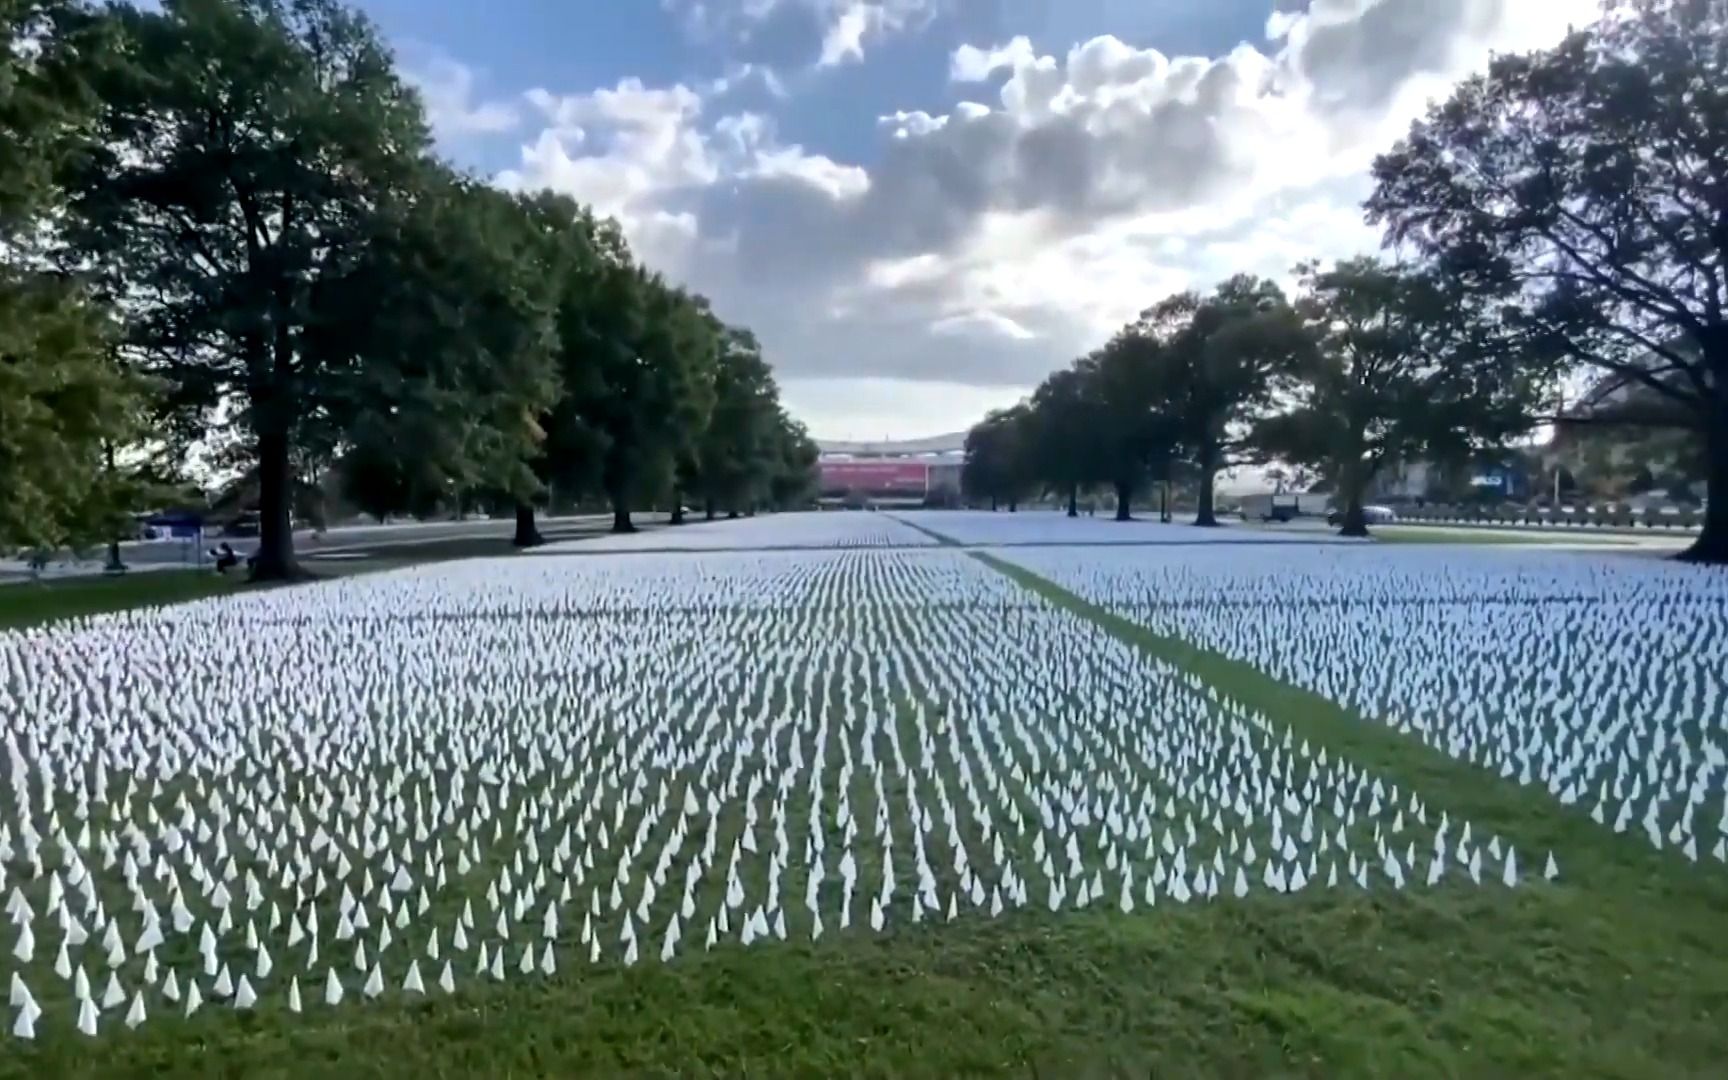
[
  {"x": 1124, "y": 501},
  {"x": 1354, "y": 522},
  {"x": 1352, "y": 482},
  {"x": 1164, "y": 502},
  {"x": 708, "y": 509},
  {"x": 1073, "y": 500},
  {"x": 1711, "y": 546},
  {"x": 527, "y": 533},
  {"x": 677, "y": 507},
  {"x": 1013, "y": 506},
  {"x": 992, "y": 504},
  {"x": 1207, "y": 516},
  {"x": 621, "y": 522},
  {"x": 275, "y": 558}
]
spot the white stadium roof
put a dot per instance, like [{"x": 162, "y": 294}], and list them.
[{"x": 935, "y": 444}]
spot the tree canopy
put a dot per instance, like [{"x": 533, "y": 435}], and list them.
[
  {"x": 1588, "y": 180},
  {"x": 1180, "y": 389},
  {"x": 1562, "y": 212},
  {"x": 65, "y": 401},
  {"x": 226, "y": 230},
  {"x": 998, "y": 465},
  {"x": 1401, "y": 368},
  {"x": 240, "y": 149},
  {"x": 1133, "y": 389}
]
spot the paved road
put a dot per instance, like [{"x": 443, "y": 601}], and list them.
[
  {"x": 1569, "y": 539},
  {"x": 1551, "y": 539}
]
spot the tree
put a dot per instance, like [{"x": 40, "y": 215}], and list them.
[
  {"x": 1402, "y": 367},
  {"x": 596, "y": 321},
  {"x": 1590, "y": 179},
  {"x": 1230, "y": 355},
  {"x": 737, "y": 452},
  {"x": 1134, "y": 391},
  {"x": 63, "y": 406},
  {"x": 1061, "y": 436},
  {"x": 65, "y": 403},
  {"x": 446, "y": 323},
  {"x": 997, "y": 454},
  {"x": 658, "y": 385},
  {"x": 240, "y": 150},
  {"x": 793, "y": 480}
]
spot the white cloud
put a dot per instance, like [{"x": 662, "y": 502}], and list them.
[
  {"x": 845, "y": 37},
  {"x": 988, "y": 321},
  {"x": 854, "y": 22},
  {"x": 992, "y": 242},
  {"x": 841, "y": 29},
  {"x": 448, "y": 88},
  {"x": 627, "y": 151},
  {"x": 740, "y": 75},
  {"x": 866, "y": 408},
  {"x": 972, "y": 64}
]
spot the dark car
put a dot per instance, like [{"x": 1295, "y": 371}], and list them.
[{"x": 244, "y": 525}]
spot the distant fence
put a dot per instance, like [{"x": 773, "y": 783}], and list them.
[{"x": 1582, "y": 517}]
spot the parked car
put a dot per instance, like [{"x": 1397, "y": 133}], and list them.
[
  {"x": 1376, "y": 515},
  {"x": 246, "y": 524}
]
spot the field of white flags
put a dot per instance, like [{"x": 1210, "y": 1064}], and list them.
[
  {"x": 1045, "y": 526},
  {"x": 506, "y": 770},
  {"x": 833, "y": 529},
  {"x": 1603, "y": 679}
]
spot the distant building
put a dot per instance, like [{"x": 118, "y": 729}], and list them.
[
  {"x": 1401, "y": 482},
  {"x": 909, "y": 472},
  {"x": 1651, "y": 446},
  {"x": 938, "y": 445}
]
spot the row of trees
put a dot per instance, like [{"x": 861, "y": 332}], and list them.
[
  {"x": 1372, "y": 363},
  {"x": 1564, "y": 215},
  {"x": 225, "y": 226}
]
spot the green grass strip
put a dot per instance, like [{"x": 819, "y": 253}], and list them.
[
  {"x": 945, "y": 541},
  {"x": 1628, "y": 914},
  {"x": 1529, "y": 816},
  {"x": 33, "y": 603}
]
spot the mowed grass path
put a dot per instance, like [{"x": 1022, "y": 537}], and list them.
[{"x": 1617, "y": 969}]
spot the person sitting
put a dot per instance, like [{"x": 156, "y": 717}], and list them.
[{"x": 225, "y": 556}]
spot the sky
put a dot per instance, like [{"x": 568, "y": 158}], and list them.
[{"x": 922, "y": 207}]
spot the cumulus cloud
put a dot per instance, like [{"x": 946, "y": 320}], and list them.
[
  {"x": 853, "y": 22},
  {"x": 972, "y": 64},
  {"x": 995, "y": 240},
  {"x": 824, "y": 32},
  {"x": 447, "y": 87}
]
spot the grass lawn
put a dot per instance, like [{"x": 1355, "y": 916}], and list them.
[
  {"x": 28, "y": 603},
  {"x": 1616, "y": 969}
]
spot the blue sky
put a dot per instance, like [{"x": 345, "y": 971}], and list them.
[
  {"x": 514, "y": 45},
  {"x": 923, "y": 206}
]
